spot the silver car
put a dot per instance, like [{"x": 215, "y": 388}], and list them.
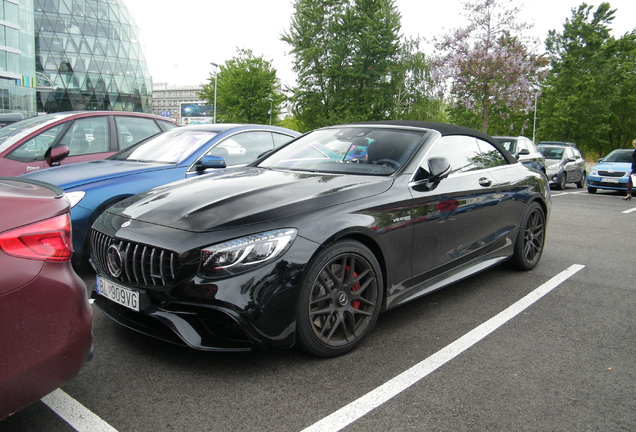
[
  {"x": 524, "y": 150},
  {"x": 564, "y": 164}
]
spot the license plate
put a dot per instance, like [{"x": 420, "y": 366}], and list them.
[
  {"x": 609, "y": 180},
  {"x": 117, "y": 293}
]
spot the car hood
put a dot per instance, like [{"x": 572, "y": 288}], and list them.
[
  {"x": 616, "y": 166},
  {"x": 243, "y": 196},
  {"x": 78, "y": 174}
]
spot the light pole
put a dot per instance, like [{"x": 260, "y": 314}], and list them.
[
  {"x": 271, "y": 108},
  {"x": 534, "y": 127},
  {"x": 216, "y": 66}
]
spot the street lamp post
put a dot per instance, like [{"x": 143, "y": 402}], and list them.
[
  {"x": 216, "y": 70},
  {"x": 271, "y": 108},
  {"x": 534, "y": 127}
]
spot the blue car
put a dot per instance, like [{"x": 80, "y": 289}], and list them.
[
  {"x": 177, "y": 154},
  {"x": 611, "y": 172}
]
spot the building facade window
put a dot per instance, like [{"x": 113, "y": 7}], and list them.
[
  {"x": 90, "y": 55},
  {"x": 17, "y": 58}
]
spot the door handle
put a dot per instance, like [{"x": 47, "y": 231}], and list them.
[{"x": 485, "y": 182}]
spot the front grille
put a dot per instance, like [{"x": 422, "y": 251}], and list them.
[
  {"x": 140, "y": 265},
  {"x": 611, "y": 174}
]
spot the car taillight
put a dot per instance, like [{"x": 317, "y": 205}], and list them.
[{"x": 47, "y": 240}]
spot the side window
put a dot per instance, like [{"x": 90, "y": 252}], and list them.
[
  {"x": 280, "y": 139},
  {"x": 35, "y": 148},
  {"x": 88, "y": 136},
  {"x": 490, "y": 157},
  {"x": 131, "y": 130},
  {"x": 463, "y": 152},
  {"x": 243, "y": 148}
]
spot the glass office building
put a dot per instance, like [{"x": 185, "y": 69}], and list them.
[
  {"x": 89, "y": 56},
  {"x": 17, "y": 58}
]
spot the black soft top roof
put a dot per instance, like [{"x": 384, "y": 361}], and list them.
[{"x": 446, "y": 130}]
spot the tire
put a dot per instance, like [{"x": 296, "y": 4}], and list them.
[
  {"x": 581, "y": 182},
  {"x": 561, "y": 184},
  {"x": 338, "y": 307},
  {"x": 591, "y": 189},
  {"x": 530, "y": 240}
]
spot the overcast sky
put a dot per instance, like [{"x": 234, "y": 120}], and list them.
[{"x": 182, "y": 38}]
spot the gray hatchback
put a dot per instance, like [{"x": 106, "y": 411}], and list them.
[{"x": 564, "y": 164}]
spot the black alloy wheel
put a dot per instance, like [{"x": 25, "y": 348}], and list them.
[
  {"x": 530, "y": 240},
  {"x": 340, "y": 300}
]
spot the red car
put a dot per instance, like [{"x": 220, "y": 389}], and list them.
[
  {"x": 76, "y": 136},
  {"x": 45, "y": 316}
]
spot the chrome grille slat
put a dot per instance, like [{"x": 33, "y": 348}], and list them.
[
  {"x": 142, "y": 265},
  {"x": 163, "y": 280},
  {"x": 135, "y": 266},
  {"x": 144, "y": 271}
]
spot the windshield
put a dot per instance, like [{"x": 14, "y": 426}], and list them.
[
  {"x": 351, "y": 150},
  {"x": 619, "y": 156},
  {"x": 169, "y": 147},
  {"x": 13, "y": 132},
  {"x": 551, "y": 152}
]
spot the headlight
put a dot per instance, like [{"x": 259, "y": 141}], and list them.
[
  {"x": 75, "y": 197},
  {"x": 593, "y": 173},
  {"x": 245, "y": 253}
]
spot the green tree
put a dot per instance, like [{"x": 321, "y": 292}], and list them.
[
  {"x": 247, "y": 88},
  {"x": 415, "y": 95},
  {"x": 487, "y": 69},
  {"x": 588, "y": 96},
  {"x": 344, "y": 52}
]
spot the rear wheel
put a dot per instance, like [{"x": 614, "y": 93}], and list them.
[
  {"x": 530, "y": 240},
  {"x": 340, "y": 300},
  {"x": 581, "y": 182},
  {"x": 561, "y": 184}
]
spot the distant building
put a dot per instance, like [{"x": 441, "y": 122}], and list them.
[
  {"x": 89, "y": 57},
  {"x": 17, "y": 58},
  {"x": 167, "y": 99}
]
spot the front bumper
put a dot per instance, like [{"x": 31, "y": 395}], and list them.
[
  {"x": 254, "y": 311},
  {"x": 598, "y": 183}
]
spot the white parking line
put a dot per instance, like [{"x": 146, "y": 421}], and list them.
[
  {"x": 630, "y": 210},
  {"x": 358, "y": 408},
  {"x": 567, "y": 193},
  {"x": 76, "y": 414}
]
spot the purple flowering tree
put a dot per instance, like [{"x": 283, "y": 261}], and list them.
[{"x": 487, "y": 69}]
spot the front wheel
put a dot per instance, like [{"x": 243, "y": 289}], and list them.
[
  {"x": 340, "y": 300},
  {"x": 591, "y": 189},
  {"x": 530, "y": 240}
]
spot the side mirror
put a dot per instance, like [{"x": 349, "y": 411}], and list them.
[
  {"x": 216, "y": 162},
  {"x": 439, "y": 168},
  {"x": 523, "y": 152},
  {"x": 426, "y": 180},
  {"x": 57, "y": 154}
]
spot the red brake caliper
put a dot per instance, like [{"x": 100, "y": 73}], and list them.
[{"x": 354, "y": 303}]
